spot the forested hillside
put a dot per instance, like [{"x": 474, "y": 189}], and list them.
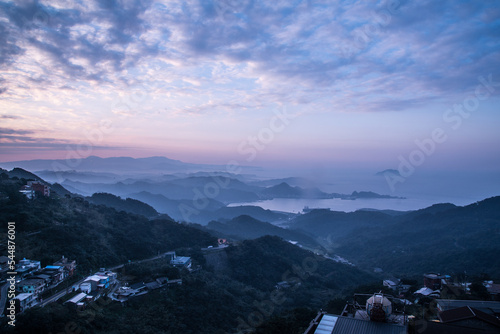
[
  {"x": 240, "y": 293},
  {"x": 441, "y": 238},
  {"x": 93, "y": 235}
]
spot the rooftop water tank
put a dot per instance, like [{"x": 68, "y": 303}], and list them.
[{"x": 378, "y": 307}]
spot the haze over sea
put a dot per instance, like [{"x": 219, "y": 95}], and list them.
[
  {"x": 337, "y": 204},
  {"x": 420, "y": 190}
]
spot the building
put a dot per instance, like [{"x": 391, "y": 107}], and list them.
[
  {"x": 138, "y": 287},
  {"x": 86, "y": 287},
  {"x": 335, "y": 324},
  {"x": 181, "y": 262},
  {"x": 69, "y": 266},
  {"x": 178, "y": 261},
  {"x": 25, "y": 263},
  {"x": 39, "y": 188},
  {"x": 433, "y": 281},
  {"x": 427, "y": 292},
  {"x": 26, "y": 267},
  {"x": 78, "y": 298},
  {"x": 152, "y": 285},
  {"x": 392, "y": 283},
  {"x": 366, "y": 314},
  {"x": 396, "y": 285},
  {"x": 34, "y": 188},
  {"x": 27, "y": 191},
  {"x": 25, "y": 301},
  {"x": 433, "y": 327},
  {"x": 56, "y": 273},
  {"x": 79, "y": 301},
  {"x": 46, "y": 278},
  {"x": 488, "y": 307},
  {"x": 493, "y": 289},
  {"x": 95, "y": 283},
  {"x": 111, "y": 275},
  {"x": 169, "y": 256},
  {"x": 32, "y": 285},
  {"x": 124, "y": 293},
  {"x": 469, "y": 317}
]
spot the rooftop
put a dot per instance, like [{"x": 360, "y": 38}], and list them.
[
  {"x": 53, "y": 267},
  {"x": 152, "y": 285},
  {"x": 493, "y": 289},
  {"x": 467, "y": 312},
  {"x": 434, "y": 276},
  {"x": 431, "y": 327},
  {"x": 425, "y": 291},
  {"x": 34, "y": 281},
  {"x": 334, "y": 324},
  {"x": 43, "y": 276},
  {"x": 488, "y": 307},
  {"x": 79, "y": 297},
  {"x": 181, "y": 260},
  {"x": 23, "y": 296},
  {"x": 137, "y": 286},
  {"x": 96, "y": 278}
]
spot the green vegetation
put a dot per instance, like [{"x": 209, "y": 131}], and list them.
[
  {"x": 95, "y": 235},
  {"x": 236, "y": 288},
  {"x": 442, "y": 238},
  {"x": 247, "y": 227},
  {"x": 128, "y": 205},
  {"x": 210, "y": 300},
  {"x": 451, "y": 241}
]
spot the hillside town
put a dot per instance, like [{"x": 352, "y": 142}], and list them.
[
  {"x": 433, "y": 310},
  {"x": 34, "y": 285}
]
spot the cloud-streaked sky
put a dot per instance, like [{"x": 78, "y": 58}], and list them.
[{"x": 341, "y": 83}]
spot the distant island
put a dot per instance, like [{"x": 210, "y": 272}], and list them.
[
  {"x": 388, "y": 171},
  {"x": 369, "y": 194}
]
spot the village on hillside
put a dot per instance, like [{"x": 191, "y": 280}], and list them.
[{"x": 433, "y": 309}]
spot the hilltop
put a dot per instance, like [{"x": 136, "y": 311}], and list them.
[
  {"x": 245, "y": 227},
  {"x": 440, "y": 238}
]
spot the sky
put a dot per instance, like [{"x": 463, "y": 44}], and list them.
[{"x": 338, "y": 84}]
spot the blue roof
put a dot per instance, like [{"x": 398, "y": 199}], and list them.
[{"x": 53, "y": 267}]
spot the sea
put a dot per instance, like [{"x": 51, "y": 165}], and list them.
[{"x": 336, "y": 204}]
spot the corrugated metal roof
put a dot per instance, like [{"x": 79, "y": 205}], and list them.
[
  {"x": 326, "y": 324},
  {"x": 23, "y": 296},
  {"x": 330, "y": 324},
  {"x": 489, "y": 307},
  {"x": 77, "y": 298},
  {"x": 354, "y": 326}
]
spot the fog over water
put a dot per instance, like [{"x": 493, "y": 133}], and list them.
[{"x": 420, "y": 190}]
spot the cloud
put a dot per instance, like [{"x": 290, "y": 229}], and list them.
[
  {"x": 24, "y": 138},
  {"x": 6, "y": 131},
  {"x": 47, "y": 143},
  {"x": 9, "y": 117},
  {"x": 12, "y": 139},
  {"x": 421, "y": 50},
  {"x": 66, "y": 36}
]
